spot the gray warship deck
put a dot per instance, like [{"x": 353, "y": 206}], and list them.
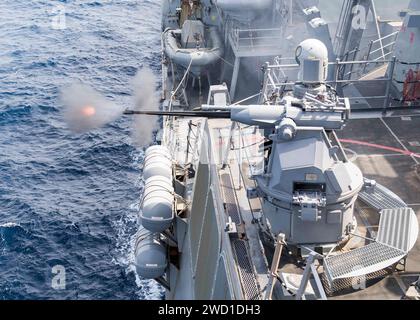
[
  {"x": 248, "y": 253},
  {"x": 225, "y": 251}
]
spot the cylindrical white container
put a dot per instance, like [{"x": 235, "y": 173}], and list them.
[
  {"x": 151, "y": 257},
  {"x": 157, "y": 211}
]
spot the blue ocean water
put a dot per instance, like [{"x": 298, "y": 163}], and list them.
[{"x": 65, "y": 199}]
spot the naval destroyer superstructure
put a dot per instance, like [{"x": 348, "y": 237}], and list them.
[{"x": 287, "y": 163}]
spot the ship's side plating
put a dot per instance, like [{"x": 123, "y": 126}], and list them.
[{"x": 206, "y": 261}]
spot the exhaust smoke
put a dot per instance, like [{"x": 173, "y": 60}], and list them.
[{"x": 144, "y": 87}]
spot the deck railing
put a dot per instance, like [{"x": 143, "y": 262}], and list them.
[
  {"x": 280, "y": 78},
  {"x": 379, "y": 49},
  {"x": 254, "y": 39}
]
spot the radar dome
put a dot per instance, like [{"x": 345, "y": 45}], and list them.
[{"x": 312, "y": 57}]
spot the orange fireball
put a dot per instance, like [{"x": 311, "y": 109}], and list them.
[{"x": 88, "y": 111}]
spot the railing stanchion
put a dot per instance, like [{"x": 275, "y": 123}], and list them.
[
  {"x": 265, "y": 83},
  {"x": 356, "y": 51},
  {"x": 389, "y": 83},
  {"x": 368, "y": 55},
  {"x": 337, "y": 70}
]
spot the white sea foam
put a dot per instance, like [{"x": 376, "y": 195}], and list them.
[{"x": 10, "y": 225}]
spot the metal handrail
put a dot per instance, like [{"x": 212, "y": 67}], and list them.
[
  {"x": 235, "y": 35},
  {"x": 381, "y": 48},
  {"x": 339, "y": 62},
  {"x": 386, "y": 37},
  {"x": 263, "y": 45},
  {"x": 274, "y": 73},
  {"x": 385, "y": 46},
  {"x": 264, "y": 37},
  {"x": 257, "y": 30}
]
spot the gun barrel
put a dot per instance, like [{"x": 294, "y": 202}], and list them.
[
  {"x": 198, "y": 114},
  {"x": 274, "y": 115}
]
